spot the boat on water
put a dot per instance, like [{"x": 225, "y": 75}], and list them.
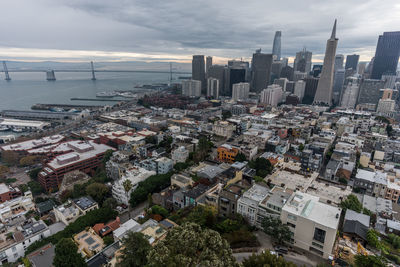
[
  {"x": 17, "y": 130},
  {"x": 106, "y": 94},
  {"x": 4, "y": 128},
  {"x": 55, "y": 109},
  {"x": 127, "y": 94}
]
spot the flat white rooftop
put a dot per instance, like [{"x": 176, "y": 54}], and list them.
[{"x": 35, "y": 143}]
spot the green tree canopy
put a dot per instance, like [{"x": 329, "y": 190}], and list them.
[
  {"x": 273, "y": 227},
  {"x": 97, "y": 191},
  {"x": 352, "y": 203},
  {"x": 110, "y": 203},
  {"x": 262, "y": 166},
  {"x": 135, "y": 250},
  {"x": 240, "y": 157},
  {"x": 190, "y": 245},
  {"x": 370, "y": 261},
  {"x": 66, "y": 254},
  {"x": 266, "y": 259}
]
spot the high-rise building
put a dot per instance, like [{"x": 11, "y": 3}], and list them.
[
  {"x": 208, "y": 63},
  {"x": 276, "y": 48},
  {"x": 191, "y": 88},
  {"x": 198, "y": 70},
  {"x": 325, "y": 84},
  {"x": 290, "y": 87},
  {"x": 338, "y": 84},
  {"x": 240, "y": 91},
  {"x": 260, "y": 71},
  {"x": 339, "y": 59},
  {"x": 272, "y": 95},
  {"x": 311, "y": 89},
  {"x": 302, "y": 62},
  {"x": 361, "y": 67},
  {"x": 386, "y": 107},
  {"x": 213, "y": 88},
  {"x": 240, "y": 64},
  {"x": 281, "y": 82},
  {"x": 276, "y": 69},
  {"x": 287, "y": 72},
  {"x": 316, "y": 70},
  {"x": 236, "y": 75},
  {"x": 370, "y": 91},
  {"x": 299, "y": 76},
  {"x": 388, "y": 93},
  {"x": 299, "y": 89},
  {"x": 352, "y": 62},
  {"x": 350, "y": 92},
  {"x": 390, "y": 80},
  {"x": 218, "y": 72},
  {"x": 386, "y": 55}
]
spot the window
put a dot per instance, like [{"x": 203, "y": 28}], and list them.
[
  {"x": 292, "y": 217},
  {"x": 317, "y": 245},
  {"x": 291, "y": 225},
  {"x": 14, "y": 249},
  {"x": 319, "y": 235}
]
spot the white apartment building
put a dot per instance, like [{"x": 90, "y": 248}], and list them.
[
  {"x": 299, "y": 89},
  {"x": 272, "y": 95},
  {"x": 213, "y": 88},
  {"x": 164, "y": 165},
  {"x": 223, "y": 128},
  {"x": 191, "y": 88},
  {"x": 240, "y": 91},
  {"x": 66, "y": 213},
  {"x": 179, "y": 154},
  {"x": 135, "y": 175},
  {"x": 313, "y": 224},
  {"x": 247, "y": 204},
  {"x": 386, "y": 106}
]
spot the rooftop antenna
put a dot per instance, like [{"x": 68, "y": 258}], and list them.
[
  {"x": 6, "y": 72},
  {"x": 93, "y": 76}
]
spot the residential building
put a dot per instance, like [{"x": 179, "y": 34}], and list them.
[
  {"x": 179, "y": 154},
  {"x": 191, "y": 88},
  {"x": 247, "y": 204},
  {"x": 213, "y": 88},
  {"x": 313, "y": 224},
  {"x": 85, "y": 204},
  {"x": 16, "y": 207},
  {"x": 66, "y": 213},
  {"x": 223, "y": 129},
  {"x": 272, "y": 95},
  {"x": 88, "y": 243},
  {"x": 164, "y": 165},
  {"x": 350, "y": 93},
  {"x": 240, "y": 91},
  {"x": 181, "y": 180},
  {"x": 299, "y": 89},
  {"x": 370, "y": 91},
  {"x": 135, "y": 175},
  {"x": 7, "y": 193},
  {"x": 227, "y": 202},
  {"x": 227, "y": 153}
]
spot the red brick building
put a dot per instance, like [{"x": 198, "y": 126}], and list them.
[{"x": 8, "y": 193}]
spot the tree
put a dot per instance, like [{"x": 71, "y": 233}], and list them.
[
  {"x": 262, "y": 166},
  {"x": 159, "y": 210},
  {"x": 370, "y": 261},
  {"x": 352, "y": 203},
  {"x": 66, "y": 254},
  {"x": 27, "y": 161},
  {"x": 107, "y": 156},
  {"x": 110, "y": 203},
  {"x": 240, "y": 157},
  {"x": 135, "y": 250},
  {"x": 127, "y": 184},
  {"x": 34, "y": 173},
  {"x": 266, "y": 259},
  {"x": 10, "y": 157},
  {"x": 273, "y": 227},
  {"x": 97, "y": 191},
  {"x": 4, "y": 170},
  {"x": 373, "y": 241},
  {"x": 151, "y": 139},
  {"x": 108, "y": 240},
  {"x": 190, "y": 245},
  {"x": 35, "y": 188}
]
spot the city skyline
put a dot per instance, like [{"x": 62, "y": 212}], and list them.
[{"x": 158, "y": 31}]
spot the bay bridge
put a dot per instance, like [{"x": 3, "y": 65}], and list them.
[{"x": 50, "y": 73}]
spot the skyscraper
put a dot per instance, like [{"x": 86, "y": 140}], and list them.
[
  {"x": 260, "y": 71},
  {"x": 338, "y": 84},
  {"x": 352, "y": 62},
  {"x": 198, "y": 71},
  {"x": 272, "y": 95},
  {"x": 276, "y": 48},
  {"x": 208, "y": 63},
  {"x": 302, "y": 62},
  {"x": 386, "y": 55},
  {"x": 236, "y": 75},
  {"x": 324, "y": 89},
  {"x": 191, "y": 88},
  {"x": 218, "y": 72},
  {"x": 339, "y": 59}
]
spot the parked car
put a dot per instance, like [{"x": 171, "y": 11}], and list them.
[{"x": 281, "y": 250}]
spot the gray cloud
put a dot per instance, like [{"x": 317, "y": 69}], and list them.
[{"x": 182, "y": 27}]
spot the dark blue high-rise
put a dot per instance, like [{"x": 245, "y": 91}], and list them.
[{"x": 386, "y": 55}]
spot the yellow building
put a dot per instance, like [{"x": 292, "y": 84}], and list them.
[{"x": 227, "y": 153}]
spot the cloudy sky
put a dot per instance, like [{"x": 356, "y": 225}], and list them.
[{"x": 173, "y": 30}]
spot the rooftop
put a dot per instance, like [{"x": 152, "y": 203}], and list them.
[{"x": 84, "y": 202}]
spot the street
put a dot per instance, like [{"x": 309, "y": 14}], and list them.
[{"x": 133, "y": 212}]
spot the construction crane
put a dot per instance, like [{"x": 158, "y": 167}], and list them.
[
  {"x": 6, "y": 72},
  {"x": 93, "y": 76}
]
